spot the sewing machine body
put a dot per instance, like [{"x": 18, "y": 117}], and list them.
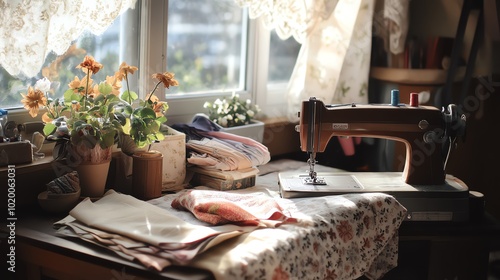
[{"x": 423, "y": 187}]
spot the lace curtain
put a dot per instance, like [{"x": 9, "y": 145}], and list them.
[
  {"x": 289, "y": 17},
  {"x": 334, "y": 59},
  {"x": 31, "y": 29}
]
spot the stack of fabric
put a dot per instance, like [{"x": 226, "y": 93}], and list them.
[
  {"x": 234, "y": 159},
  {"x": 246, "y": 234},
  {"x": 157, "y": 238}
]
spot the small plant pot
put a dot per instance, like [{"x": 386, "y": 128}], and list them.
[{"x": 253, "y": 130}]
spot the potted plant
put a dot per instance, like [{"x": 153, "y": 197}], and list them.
[
  {"x": 236, "y": 116},
  {"x": 87, "y": 121}
]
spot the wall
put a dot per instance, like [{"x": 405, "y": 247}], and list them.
[{"x": 475, "y": 160}]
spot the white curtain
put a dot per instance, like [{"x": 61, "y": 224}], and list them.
[
  {"x": 31, "y": 29},
  {"x": 333, "y": 63},
  {"x": 336, "y": 35},
  {"x": 334, "y": 59}
]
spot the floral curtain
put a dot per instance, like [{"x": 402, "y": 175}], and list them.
[{"x": 31, "y": 29}]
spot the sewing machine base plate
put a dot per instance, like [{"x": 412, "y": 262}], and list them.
[{"x": 445, "y": 202}]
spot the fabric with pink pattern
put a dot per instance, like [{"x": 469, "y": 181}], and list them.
[{"x": 217, "y": 208}]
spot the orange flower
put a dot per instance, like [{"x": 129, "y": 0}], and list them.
[
  {"x": 78, "y": 85},
  {"x": 124, "y": 70},
  {"x": 33, "y": 100},
  {"x": 90, "y": 64},
  {"x": 94, "y": 92},
  {"x": 166, "y": 78},
  {"x": 157, "y": 106},
  {"x": 152, "y": 97},
  {"x": 75, "y": 106},
  {"x": 46, "y": 118},
  {"x": 115, "y": 83}
]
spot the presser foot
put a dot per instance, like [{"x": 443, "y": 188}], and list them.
[{"x": 314, "y": 181}]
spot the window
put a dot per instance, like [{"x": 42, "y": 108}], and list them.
[
  {"x": 211, "y": 46},
  {"x": 282, "y": 57},
  {"x": 205, "y": 46}
]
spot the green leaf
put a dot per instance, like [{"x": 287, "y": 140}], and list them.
[
  {"x": 105, "y": 88},
  {"x": 98, "y": 98},
  {"x": 129, "y": 96},
  {"x": 161, "y": 119},
  {"x": 49, "y": 128},
  {"x": 160, "y": 136},
  {"x": 70, "y": 95},
  {"x": 94, "y": 109},
  {"x": 126, "y": 127},
  {"x": 148, "y": 113},
  {"x": 103, "y": 110},
  {"x": 108, "y": 139},
  {"x": 120, "y": 118}
]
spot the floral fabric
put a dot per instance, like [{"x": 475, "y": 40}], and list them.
[{"x": 350, "y": 236}]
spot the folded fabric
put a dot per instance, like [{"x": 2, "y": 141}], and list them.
[
  {"x": 229, "y": 154},
  {"x": 211, "y": 148},
  {"x": 261, "y": 148},
  {"x": 227, "y": 157},
  {"x": 139, "y": 220},
  {"x": 148, "y": 255},
  {"x": 217, "y": 208}
]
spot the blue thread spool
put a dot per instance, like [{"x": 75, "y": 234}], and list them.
[{"x": 395, "y": 97}]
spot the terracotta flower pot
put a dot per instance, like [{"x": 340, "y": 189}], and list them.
[
  {"x": 93, "y": 178},
  {"x": 93, "y": 170}
]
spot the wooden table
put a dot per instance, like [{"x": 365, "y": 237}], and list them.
[{"x": 427, "y": 250}]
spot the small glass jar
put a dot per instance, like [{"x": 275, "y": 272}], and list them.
[{"x": 3, "y": 120}]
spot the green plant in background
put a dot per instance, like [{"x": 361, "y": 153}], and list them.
[{"x": 232, "y": 112}]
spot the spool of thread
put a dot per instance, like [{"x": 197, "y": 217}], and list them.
[
  {"x": 147, "y": 174},
  {"x": 414, "y": 99},
  {"x": 395, "y": 97}
]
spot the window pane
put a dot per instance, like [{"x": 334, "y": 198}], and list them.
[
  {"x": 62, "y": 70},
  {"x": 206, "y": 46},
  {"x": 282, "y": 57}
]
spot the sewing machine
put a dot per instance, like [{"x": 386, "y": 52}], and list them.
[{"x": 423, "y": 187}]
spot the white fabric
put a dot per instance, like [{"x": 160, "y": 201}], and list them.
[
  {"x": 333, "y": 64},
  {"x": 396, "y": 22},
  {"x": 141, "y": 221},
  {"x": 31, "y": 29}
]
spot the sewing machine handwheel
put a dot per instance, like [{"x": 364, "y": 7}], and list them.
[{"x": 455, "y": 121}]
